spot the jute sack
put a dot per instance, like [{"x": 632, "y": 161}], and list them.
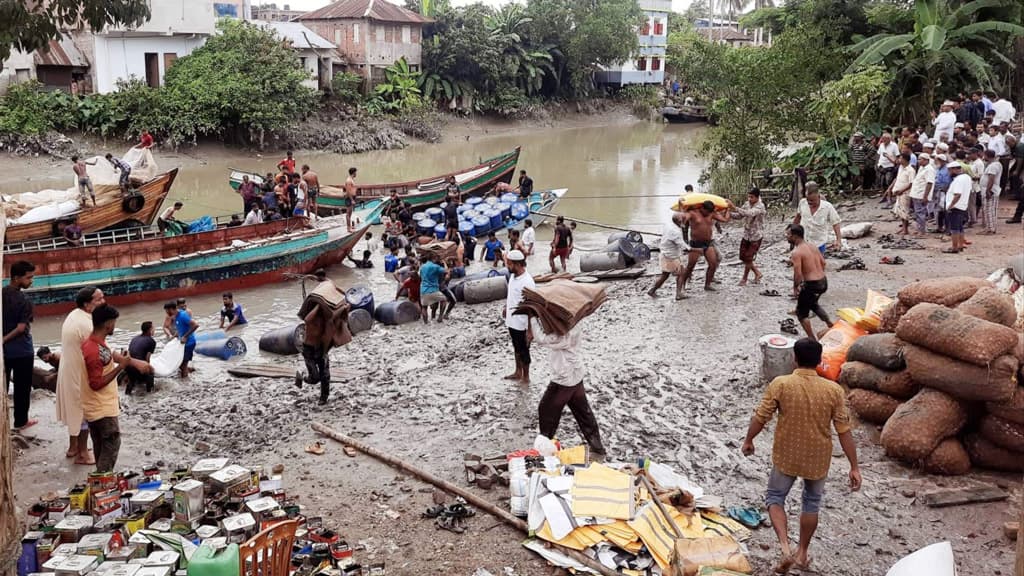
[
  {"x": 891, "y": 317},
  {"x": 949, "y": 458},
  {"x": 920, "y": 424},
  {"x": 987, "y": 455},
  {"x": 866, "y": 377},
  {"x": 944, "y": 291},
  {"x": 883, "y": 351},
  {"x": 1002, "y": 433},
  {"x": 954, "y": 334},
  {"x": 993, "y": 383},
  {"x": 1012, "y": 409},
  {"x": 871, "y": 406},
  {"x": 992, "y": 305}
]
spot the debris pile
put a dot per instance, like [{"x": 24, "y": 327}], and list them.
[{"x": 944, "y": 375}]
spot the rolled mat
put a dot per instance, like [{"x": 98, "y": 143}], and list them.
[
  {"x": 223, "y": 348},
  {"x": 560, "y": 304}
]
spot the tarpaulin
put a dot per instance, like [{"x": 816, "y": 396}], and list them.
[{"x": 603, "y": 492}]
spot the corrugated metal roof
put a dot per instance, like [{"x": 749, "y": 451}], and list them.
[
  {"x": 299, "y": 36},
  {"x": 726, "y": 34},
  {"x": 62, "y": 52},
  {"x": 373, "y": 9}
]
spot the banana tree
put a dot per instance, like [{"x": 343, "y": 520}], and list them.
[{"x": 400, "y": 89}]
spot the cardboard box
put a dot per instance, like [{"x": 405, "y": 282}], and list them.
[
  {"x": 58, "y": 510},
  {"x": 188, "y": 500}
]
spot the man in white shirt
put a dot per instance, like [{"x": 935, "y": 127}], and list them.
[
  {"x": 900, "y": 190},
  {"x": 672, "y": 247},
  {"x": 518, "y": 324},
  {"x": 1005, "y": 112},
  {"x": 957, "y": 197},
  {"x": 566, "y": 387},
  {"x": 921, "y": 192},
  {"x": 990, "y": 181},
  {"x": 255, "y": 215},
  {"x": 888, "y": 153},
  {"x": 529, "y": 236},
  {"x": 819, "y": 219},
  {"x": 996, "y": 141},
  {"x": 977, "y": 168},
  {"x": 944, "y": 122}
]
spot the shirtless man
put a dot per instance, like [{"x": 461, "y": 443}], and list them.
[
  {"x": 85, "y": 189},
  {"x": 350, "y": 196},
  {"x": 702, "y": 220},
  {"x": 809, "y": 281},
  {"x": 312, "y": 181}
]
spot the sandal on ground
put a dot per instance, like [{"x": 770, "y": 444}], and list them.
[
  {"x": 770, "y": 293},
  {"x": 789, "y": 326},
  {"x": 950, "y": 251},
  {"x": 316, "y": 448}
]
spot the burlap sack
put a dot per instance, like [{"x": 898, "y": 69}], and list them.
[
  {"x": 944, "y": 291},
  {"x": 1002, "y": 433},
  {"x": 954, "y": 334},
  {"x": 994, "y": 383},
  {"x": 949, "y": 458},
  {"x": 987, "y": 455},
  {"x": 866, "y": 377},
  {"x": 992, "y": 305},
  {"x": 891, "y": 317},
  {"x": 883, "y": 351},
  {"x": 871, "y": 406},
  {"x": 1012, "y": 409},
  {"x": 920, "y": 424}
]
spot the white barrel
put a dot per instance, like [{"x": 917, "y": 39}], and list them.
[
  {"x": 602, "y": 261},
  {"x": 776, "y": 356},
  {"x": 359, "y": 320},
  {"x": 485, "y": 290}
]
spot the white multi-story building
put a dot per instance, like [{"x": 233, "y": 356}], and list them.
[{"x": 648, "y": 65}]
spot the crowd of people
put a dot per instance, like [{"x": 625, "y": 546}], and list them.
[{"x": 288, "y": 193}]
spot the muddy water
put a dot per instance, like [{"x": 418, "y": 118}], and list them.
[{"x": 614, "y": 175}]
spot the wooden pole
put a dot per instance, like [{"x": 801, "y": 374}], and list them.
[
  {"x": 1018, "y": 566},
  {"x": 458, "y": 491},
  {"x": 10, "y": 527},
  {"x": 661, "y": 507},
  {"x": 597, "y": 224}
]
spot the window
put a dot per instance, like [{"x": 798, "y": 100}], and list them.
[
  {"x": 659, "y": 28},
  {"x": 355, "y": 33},
  {"x": 646, "y": 29},
  {"x": 655, "y": 63},
  {"x": 337, "y": 36},
  {"x": 152, "y": 65},
  {"x": 641, "y": 64},
  {"x": 379, "y": 31},
  {"x": 169, "y": 59},
  {"x": 406, "y": 35}
]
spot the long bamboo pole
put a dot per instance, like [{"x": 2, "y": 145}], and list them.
[
  {"x": 458, "y": 491},
  {"x": 596, "y": 224}
]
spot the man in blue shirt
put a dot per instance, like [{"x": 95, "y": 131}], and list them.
[
  {"x": 431, "y": 274},
  {"x": 18, "y": 349},
  {"x": 493, "y": 249},
  {"x": 231, "y": 313},
  {"x": 186, "y": 335}
]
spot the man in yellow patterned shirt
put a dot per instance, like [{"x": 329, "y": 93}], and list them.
[{"x": 808, "y": 407}]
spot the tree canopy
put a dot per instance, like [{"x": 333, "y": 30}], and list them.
[{"x": 28, "y": 26}]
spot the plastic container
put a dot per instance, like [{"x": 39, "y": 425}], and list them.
[
  {"x": 474, "y": 201},
  {"x": 470, "y": 214},
  {"x": 418, "y": 216},
  {"x": 359, "y": 320},
  {"x": 466, "y": 227},
  {"x": 458, "y": 271},
  {"x": 519, "y": 211},
  {"x": 459, "y": 290},
  {"x": 360, "y": 297},
  {"x": 223, "y": 348},
  {"x": 485, "y": 290},
  {"x": 490, "y": 201},
  {"x": 632, "y": 235},
  {"x": 505, "y": 208},
  {"x": 463, "y": 208},
  {"x": 397, "y": 312},
  {"x": 215, "y": 335},
  {"x": 481, "y": 225},
  {"x": 426, "y": 227},
  {"x": 285, "y": 340},
  {"x": 776, "y": 356},
  {"x": 509, "y": 198},
  {"x": 435, "y": 214},
  {"x": 598, "y": 261},
  {"x": 496, "y": 220},
  {"x": 208, "y": 561},
  {"x": 440, "y": 231}
]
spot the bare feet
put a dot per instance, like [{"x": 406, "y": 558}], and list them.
[
  {"x": 513, "y": 376},
  {"x": 743, "y": 282},
  {"x": 784, "y": 565},
  {"x": 710, "y": 288},
  {"x": 652, "y": 293},
  {"x": 27, "y": 424},
  {"x": 802, "y": 562},
  {"x": 71, "y": 453},
  {"x": 757, "y": 279},
  {"x": 681, "y": 296},
  {"x": 86, "y": 459}
]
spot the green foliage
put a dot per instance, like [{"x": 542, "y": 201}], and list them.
[
  {"x": 346, "y": 87},
  {"x": 24, "y": 110},
  {"x": 842, "y": 104},
  {"x": 642, "y": 98},
  {"x": 399, "y": 91},
  {"x": 506, "y": 101},
  {"x": 28, "y": 26}
]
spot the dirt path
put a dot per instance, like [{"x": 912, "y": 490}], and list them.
[{"x": 675, "y": 381}]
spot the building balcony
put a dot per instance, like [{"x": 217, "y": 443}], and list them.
[
  {"x": 656, "y": 5},
  {"x": 652, "y": 40}
]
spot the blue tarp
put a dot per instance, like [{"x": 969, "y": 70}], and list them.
[{"x": 202, "y": 224}]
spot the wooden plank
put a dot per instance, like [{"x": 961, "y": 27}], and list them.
[
  {"x": 960, "y": 496},
  {"x": 283, "y": 372}
]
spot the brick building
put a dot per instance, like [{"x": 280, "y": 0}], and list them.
[{"x": 370, "y": 35}]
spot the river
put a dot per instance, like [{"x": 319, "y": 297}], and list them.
[{"x": 614, "y": 174}]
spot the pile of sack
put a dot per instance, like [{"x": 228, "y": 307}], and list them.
[{"x": 943, "y": 377}]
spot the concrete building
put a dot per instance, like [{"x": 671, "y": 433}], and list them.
[
  {"x": 648, "y": 65},
  {"x": 318, "y": 56},
  {"x": 370, "y": 35},
  {"x": 271, "y": 13}
]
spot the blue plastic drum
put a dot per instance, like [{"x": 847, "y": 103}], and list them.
[
  {"x": 435, "y": 214},
  {"x": 520, "y": 211},
  {"x": 509, "y": 197},
  {"x": 426, "y": 227},
  {"x": 458, "y": 272},
  {"x": 440, "y": 231},
  {"x": 496, "y": 219},
  {"x": 490, "y": 201},
  {"x": 505, "y": 209},
  {"x": 481, "y": 225},
  {"x": 463, "y": 208},
  {"x": 466, "y": 227},
  {"x": 474, "y": 201},
  {"x": 360, "y": 297},
  {"x": 418, "y": 216},
  {"x": 470, "y": 214}
]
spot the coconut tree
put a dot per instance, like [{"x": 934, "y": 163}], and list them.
[{"x": 950, "y": 48}]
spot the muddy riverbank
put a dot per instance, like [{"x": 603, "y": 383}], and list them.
[{"x": 675, "y": 381}]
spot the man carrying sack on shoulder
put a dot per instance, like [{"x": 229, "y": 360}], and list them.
[{"x": 325, "y": 312}]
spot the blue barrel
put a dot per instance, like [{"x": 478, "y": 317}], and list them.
[
  {"x": 426, "y": 227},
  {"x": 397, "y": 312},
  {"x": 222, "y": 348},
  {"x": 496, "y": 220},
  {"x": 360, "y": 297},
  {"x": 519, "y": 211},
  {"x": 435, "y": 214},
  {"x": 418, "y": 216},
  {"x": 509, "y": 197},
  {"x": 474, "y": 201},
  {"x": 466, "y": 227},
  {"x": 458, "y": 271},
  {"x": 481, "y": 225},
  {"x": 490, "y": 201},
  {"x": 505, "y": 209},
  {"x": 497, "y": 272},
  {"x": 440, "y": 231},
  {"x": 470, "y": 214},
  {"x": 215, "y": 335},
  {"x": 463, "y": 208}
]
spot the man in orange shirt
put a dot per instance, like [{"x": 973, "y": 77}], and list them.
[
  {"x": 100, "y": 404},
  {"x": 287, "y": 165},
  {"x": 808, "y": 407}
]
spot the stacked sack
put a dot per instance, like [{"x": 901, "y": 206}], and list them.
[{"x": 946, "y": 384}]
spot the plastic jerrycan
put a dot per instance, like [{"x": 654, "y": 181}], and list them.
[{"x": 210, "y": 561}]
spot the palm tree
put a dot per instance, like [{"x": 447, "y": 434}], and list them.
[
  {"x": 506, "y": 22},
  {"x": 949, "y": 46}
]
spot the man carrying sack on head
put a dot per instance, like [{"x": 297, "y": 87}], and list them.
[{"x": 325, "y": 312}]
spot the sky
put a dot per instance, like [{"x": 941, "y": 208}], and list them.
[{"x": 677, "y": 5}]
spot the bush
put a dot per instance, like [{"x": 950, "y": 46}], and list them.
[
  {"x": 25, "y": 110},
  {"x": 507, "y": 102},
  {"x": 642, "y": 98},
  {"x": 347, "y": 87}
]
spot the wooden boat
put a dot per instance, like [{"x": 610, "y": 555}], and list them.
[
  {"x": 684, "y": 114},
  {"x": 474, "y": 181},
  {"x": 149, "y": 267},
  {"x": 111, "y": 211}
]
